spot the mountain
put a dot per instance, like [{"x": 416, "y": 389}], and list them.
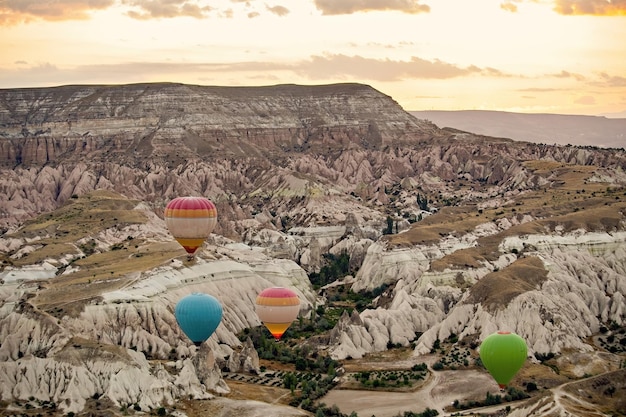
[
  {"x": 539, "y": 128},
  {"x": 406, "y": 243}
]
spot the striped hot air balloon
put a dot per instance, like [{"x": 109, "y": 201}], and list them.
[
  {"x": 277, "y": 308},
  {"x": 198, "y": 315},
  {"x": 190, "y": 220}
]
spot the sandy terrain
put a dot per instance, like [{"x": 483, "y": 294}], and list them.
[
  {"x": 439, "y": 391},
  {"x": 225, "y": 407}
]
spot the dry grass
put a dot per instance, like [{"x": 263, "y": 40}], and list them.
[
  {"x": 245, "y": 391},
  {"x": 497, "y": 289},
  {"x": 58, "y": 231},
  {"x": 401, "y": 358},
  {"x": 238, "y": 391},
  {"x": 78, "y": 350},
  {"x": 542, "y": 375},
  {"x": 448, "y": 221},
  {"x": 572, "y": 202},
  {"x": 97, "y": 272},
  {"x": 607, "y": 392}
]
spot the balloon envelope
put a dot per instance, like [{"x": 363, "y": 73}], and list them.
[
  {"x": 190, "y": 220},
  {"x": 277, "y": 308},
  {"x": 198, "y": 315},
  {"x": 503, "y": 354}
]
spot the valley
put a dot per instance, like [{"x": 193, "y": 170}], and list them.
[{"x": 406, "y": 244}]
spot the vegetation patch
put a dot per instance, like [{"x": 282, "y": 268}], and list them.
[
  {"x": 455, "y": 221},
  {"x": 511, "y": 394},
  {"x": 570, "y": 200},
  {"x": 613, "y": 339},
  {"x": 388, "y": 380},
  {"x": 454, "y": 354}
]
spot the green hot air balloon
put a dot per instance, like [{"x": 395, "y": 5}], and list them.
[
  {"x": 503, "y": 354},
  {"x": 198, "y": 315}
]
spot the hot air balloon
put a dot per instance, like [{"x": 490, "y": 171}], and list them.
[
  {"x": 277, "y": 308},
  {"x": 198, "y": 315},
  {"x": 503, "y": 354},
  {"x": 190, "y": 220}
]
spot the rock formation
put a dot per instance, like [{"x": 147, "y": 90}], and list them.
[{"x": 456, "y": 234}]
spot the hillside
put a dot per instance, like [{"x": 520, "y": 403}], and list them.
[
  {"x": 407, "y": 245},
  {"x": 539, "y": 128}
]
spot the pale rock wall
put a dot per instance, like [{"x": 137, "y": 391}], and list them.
[
  {"x": 139, "y": 321},
  {"x": 585, "y": 287},
  {"x": 126, "y": 379}
]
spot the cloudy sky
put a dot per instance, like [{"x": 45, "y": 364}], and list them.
[{"x": 548, "y": 56}]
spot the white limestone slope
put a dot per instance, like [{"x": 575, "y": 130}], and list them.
[
  {"x": 69, "y": 379},
  {"x": 585, "y": 287},
  {"x": 45, "y": 358}
]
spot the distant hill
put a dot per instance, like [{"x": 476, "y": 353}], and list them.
[{"x": 539, "y": 128}]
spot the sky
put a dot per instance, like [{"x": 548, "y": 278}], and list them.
[{"x": 529, "y": 56}]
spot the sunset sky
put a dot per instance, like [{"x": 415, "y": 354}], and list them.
[{"x": 532, "y": 56}]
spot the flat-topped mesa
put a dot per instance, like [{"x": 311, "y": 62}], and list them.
[{"x": 178, "y": 121}]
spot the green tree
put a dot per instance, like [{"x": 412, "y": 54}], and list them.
[
  {"x": 422, "y": 202},
  {"x": 290, "y": 381},
  {"x": 389, "y": 229},
  {"x": 300, "y": 364}
]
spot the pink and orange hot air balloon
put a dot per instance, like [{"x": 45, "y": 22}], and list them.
[
  {"x": 277, "y": 308},
  {"x": 190, "y": 220}
]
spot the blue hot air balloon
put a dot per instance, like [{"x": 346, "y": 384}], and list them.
[{"x": 198, "y": 315}]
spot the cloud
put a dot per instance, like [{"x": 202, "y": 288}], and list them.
[
  {"x": 278, "y": 10},
  {"x": 612, "y": 81},
  {"x": 25, "y": 11},
  {"x": 588, "y": 100},
  {"x": 575, "y": 7},
  {"x": 22, "y": 11},
  {"x": 591, "y": 7},
  {"x": 509, "y": 6},
  {"x": 151, "y": 9},
  {"x": 540, "y": 90},
  {"x": 336, "y": 7},
  {"x": 338, "y": 66},
  {"x": 343, "y": 66},
  {"x": 47, "y": 74},
  {"x": 567, "y": 74},
  {"x": 315, "y": 68},
  {"x": 33, "y": 75}
]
